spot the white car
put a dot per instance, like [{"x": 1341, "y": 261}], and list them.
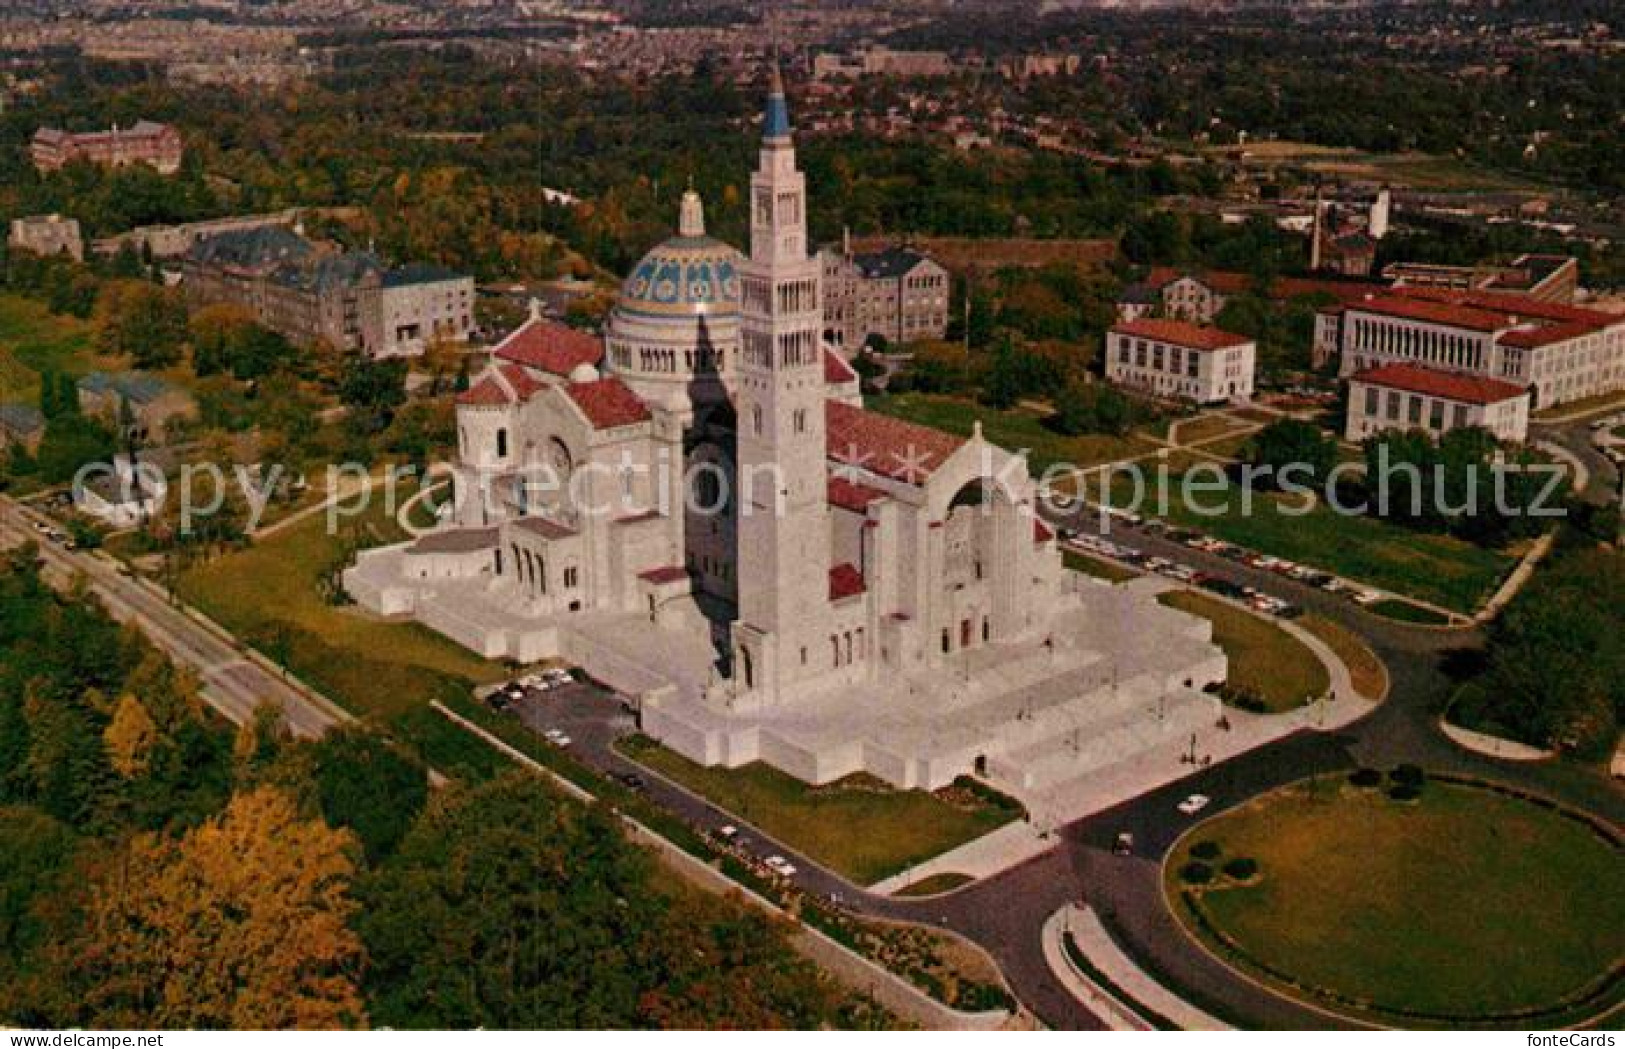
[
  {"x": 728, "y": 831},
  {"x": 553, "y": 735},
  {"x": 563, "y": 741},
  {"x": 780, "y": 866},
  {"x": 1194, "y": 804},
  {"x": 557, "y": 677}
]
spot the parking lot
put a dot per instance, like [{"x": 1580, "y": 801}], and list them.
[{"x": 1125, "y": 552}]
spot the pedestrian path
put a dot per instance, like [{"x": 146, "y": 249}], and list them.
[{"x": 1135, "y": 1001}]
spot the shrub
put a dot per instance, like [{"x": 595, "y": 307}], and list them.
[
  {"x": 1206, "y": 850},
  {"x": 1194, "y": 873},
  {"x": 1407, "y": 775},
  {"x": 1405, "y": 792},
  {"x": 1241, "y": 868},
  {"x": 1366, "y": 778}
]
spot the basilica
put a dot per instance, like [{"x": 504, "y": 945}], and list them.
[{"x": 698, "y": 510}]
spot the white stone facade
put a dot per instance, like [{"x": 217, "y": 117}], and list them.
[
  {"x": 1559, "y": 353},
  {"x": 1407, "y": 397},
  {"x": 1176, "y": 359},
  {"x": 699, "y": 511}
]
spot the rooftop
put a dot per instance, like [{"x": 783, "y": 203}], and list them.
[
  {"x": 549, "y": 346},
  {"x": 608, "y": 403},
  {"x": 1181, "y": 333},
  {"x": 880, "y": 444},
  {"x": 1452, "y": 386}
]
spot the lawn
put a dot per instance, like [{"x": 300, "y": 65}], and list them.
[
  {"x": 935, "y": 884},
  {"x": 1110, "y": 571},
  {"x": 1466, "y": 907},
  {"x": 1368, "y": 673},
  {"x": 33, "y": 339},
  {"x": 1013, "y": 430},
  {"x": 368, "y": 666},
  {"x": 1211, "y": 428},
  {"x": 1436, "y": 568},
  {"x": 856, "y": 826},
  {"x": 1265, "y": 661}
]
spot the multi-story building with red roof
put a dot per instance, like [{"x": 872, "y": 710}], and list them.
[
  {"x": 1180, "y": 360},
  {"x": 159, "y": 146}
]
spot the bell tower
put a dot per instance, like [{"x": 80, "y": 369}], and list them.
[{"x": 784, "y": 529}]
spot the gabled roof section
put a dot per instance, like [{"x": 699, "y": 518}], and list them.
[
  {"x": 1453, "y": 386},
  {"x": 608, "y": 403},
  {"x": 882, "y": 445},
  {"x": 503, "y": 384},
  {"x": 837, "y": 370},
  {"x": 548, "y": 346},
  {"x": 1181, "y": 333}
]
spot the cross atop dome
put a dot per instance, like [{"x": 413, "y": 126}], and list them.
[{"x": 691, "y": 218}]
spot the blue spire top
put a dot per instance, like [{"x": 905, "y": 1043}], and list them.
[{"x": 776, "y": 117}]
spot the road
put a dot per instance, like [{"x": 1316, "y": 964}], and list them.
[
  {"x": 1004, "y": 913},
  {"x": 234, "y": 683}
]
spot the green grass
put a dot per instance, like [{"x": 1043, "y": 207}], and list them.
[
  {"x": 1211, "y": 428},
  {"x": 366, "y": 665},
  {"x": 1265, "y": 661},
  {"x": 933, "y": 884},
  {"x": 857, "y": 826},
  {"x": 1463, "y": 908},
  {"x": 1100, "y": 569},
  {"x": 1368, "y": 673},
  {"x": 1405, "y": 612},
  {"x": 1013, "y": 430},
  {"x": 1438, "y": 569},
  {"x": 32, "y": 339}
]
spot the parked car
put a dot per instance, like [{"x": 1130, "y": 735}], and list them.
[{"x": 1194, "y": 803}]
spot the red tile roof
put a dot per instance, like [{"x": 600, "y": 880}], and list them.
[
  {"x": 1524, "y": 307},
  {"x": 1041, "y": 532},
  {"x": 836, "y": 369},
  {"x": 1453, "y": 386},
  {"x": 608, "y": 403},
  {"x": 514, "y": 385},
  {"x": 662, "y": 576},
  {"x": 849, "y": 495},
  {"x": 1181, "y": 333},
  {"x": 487, "y": 393},
  {"x": 845, "y": 581},
  {"x": 1226, "y": 282},
  {"x": 550, "y": 347},
  {"x": 880, "y": 444},
  {"x": 1531, "y": 338},
  {"x": 1431, "y": 310},
  {"x": 543, "y": 528}
]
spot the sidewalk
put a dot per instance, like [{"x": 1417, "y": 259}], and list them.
[
  {"x": 1145, "y": 994},
  {"x": 1155, "y": 768},
  {"x": 990, "y": 854}
]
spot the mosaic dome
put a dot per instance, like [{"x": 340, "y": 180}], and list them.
[{"x": 689, "y": 275}]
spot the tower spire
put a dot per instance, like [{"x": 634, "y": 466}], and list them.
[{"x": 776, "y": 117}]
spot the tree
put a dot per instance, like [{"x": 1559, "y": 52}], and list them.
[
  {"x": 372, "y": 390},
  {"x": 242, "y": 923},
  {"x": 1092, "y": 407},
  {"x": 1303, "y": 446},
  {"x": 130, "y": 737},
  {"x": 369, "y": 785},
  {"x": 142, "y": 321},
  {"x": 508, "y": 907}
]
